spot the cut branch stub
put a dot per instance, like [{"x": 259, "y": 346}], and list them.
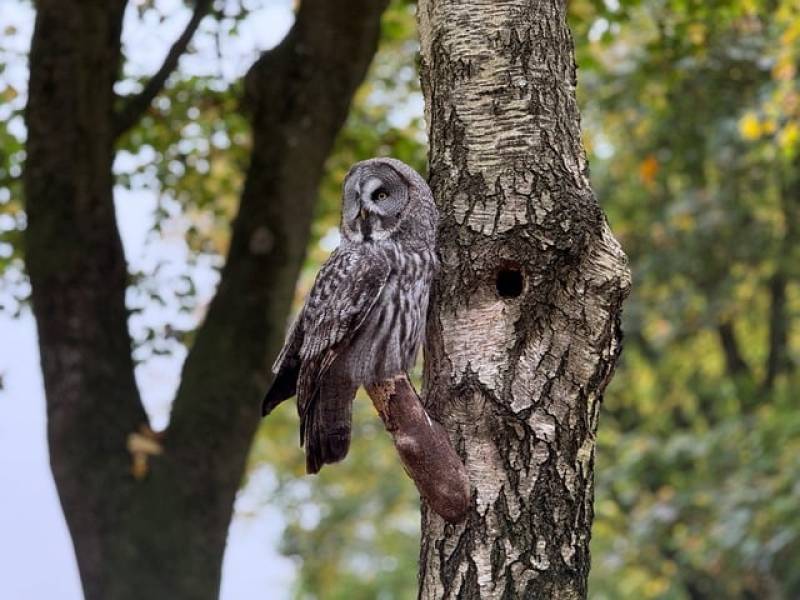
[{"x": 424, "y": 447}]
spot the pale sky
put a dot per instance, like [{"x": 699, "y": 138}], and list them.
[{"x": 36, "y": 556}]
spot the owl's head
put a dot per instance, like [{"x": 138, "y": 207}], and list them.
[{"x": 383, "y": 196}]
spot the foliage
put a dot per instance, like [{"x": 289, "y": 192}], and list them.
[
  {"x": 690, "y": 112},
  {"x": 354, "y": 528},
  {"x": 13, "y": 287}
]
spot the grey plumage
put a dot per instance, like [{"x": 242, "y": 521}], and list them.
[{"x": 364, "y": 319}]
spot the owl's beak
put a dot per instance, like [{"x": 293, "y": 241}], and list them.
[{"x": 363, "y": 213}]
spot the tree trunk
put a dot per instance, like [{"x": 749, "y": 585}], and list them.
[
  {"x": 163, "y": 536},
  {"x": 525, "y": 327},
  {"x": 78, "y": 274}
]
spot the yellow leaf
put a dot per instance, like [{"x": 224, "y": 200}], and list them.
[
  {"x": 789, "y": 137},
  {"x": 697, "y": 33},
  {"x": 9, "y": 94},
  {"x": 683, "y": 222},
  {"x": 750, "y": 127},
  {"x": 784, "y": 69},
  {"x": 749, "y": 6}
]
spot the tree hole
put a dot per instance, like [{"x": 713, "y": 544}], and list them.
[{"x": 509, "y": 282}]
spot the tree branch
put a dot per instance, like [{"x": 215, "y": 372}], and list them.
[
  {"x": 778, "y": 356},
  {"x": 424, "y": 448},
  {"x": 735, "y": 364},
  {"x": 135, "y": 106}
]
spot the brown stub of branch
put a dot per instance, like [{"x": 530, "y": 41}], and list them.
[{"x": 424, "y": 447}]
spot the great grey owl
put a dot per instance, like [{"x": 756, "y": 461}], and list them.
[{"x": 364, "y": 318}]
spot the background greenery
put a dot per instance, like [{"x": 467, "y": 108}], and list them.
[{"x": 691, "y": 114}]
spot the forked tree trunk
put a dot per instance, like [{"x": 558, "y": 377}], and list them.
[
  {"x": 162, "y": 534},
  {"x": 524, "y": 332}
]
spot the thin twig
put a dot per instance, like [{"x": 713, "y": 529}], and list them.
[{"x": 136, "y": 105}]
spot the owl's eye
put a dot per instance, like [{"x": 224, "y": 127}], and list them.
[{"x": 380, "y": 195}]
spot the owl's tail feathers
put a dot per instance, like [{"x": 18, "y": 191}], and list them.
[
  {"x": 325, "y": 426},
  {"x": 283, "y": 388}
]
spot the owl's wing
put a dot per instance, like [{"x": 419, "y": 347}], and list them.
[
  {"x": 290, "y": 353},
  {"x": 286, "y": 369},
  {"x": 344, "y": 293}
]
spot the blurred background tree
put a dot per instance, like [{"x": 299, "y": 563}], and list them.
[
  {"x": 692, "y": 120},
  {"x": 148, "y": 513}
]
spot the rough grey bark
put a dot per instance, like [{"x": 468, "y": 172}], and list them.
[
  {"x": 163, "y": 535},
  {"x": 524, "y": 331}
]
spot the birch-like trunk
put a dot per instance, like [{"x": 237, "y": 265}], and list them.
[{"x": 524, "y": 332}]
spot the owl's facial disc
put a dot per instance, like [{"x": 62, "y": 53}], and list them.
[{"x": 374, "y": 197}]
